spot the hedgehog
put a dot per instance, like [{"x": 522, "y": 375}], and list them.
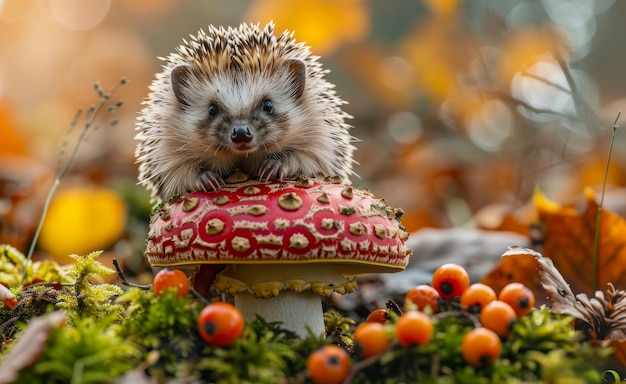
[{"x": 240, "y": 99}]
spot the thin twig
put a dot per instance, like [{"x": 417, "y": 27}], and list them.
[
  {"x": 579, "y": 103},
  {"x": 120, "y": 273},
  {"x": 197, "y": 295},
  {"x": 596, "y": 238},
  {"x": 546, "y": 81}
]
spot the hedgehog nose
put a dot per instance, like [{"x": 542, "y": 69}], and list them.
[{"x": 241, "y": 134}]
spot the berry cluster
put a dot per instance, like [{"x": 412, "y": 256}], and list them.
[{"x": 450, "y": 294}]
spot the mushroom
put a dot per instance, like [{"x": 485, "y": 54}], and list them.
[{"x": 278, "y": 247}]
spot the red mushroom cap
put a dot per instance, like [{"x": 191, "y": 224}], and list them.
[{"x": 306, "y": 221}]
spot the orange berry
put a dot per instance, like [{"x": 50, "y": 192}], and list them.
[
  {"x": 476, "y": 296},
  {"x": 499, "y": 317},
  {"x": 480, "y": 347},
  {"x": 423, "y": 296},
  {"x": 220, "y": 324},
  {"x": 328, "y": 365},
  {"x": 371, "y": 339},
  {"x": 414, "y": 327},
  {"x": 519, "y": 297},
  {"x": 171, "y": 279},
  {"x": 378, "y": 316},
  {"x": 450, "y": 280}
]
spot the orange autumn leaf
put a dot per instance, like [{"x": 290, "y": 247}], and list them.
[
  {"x": 323, "y": 24},
  {"x": 568, "y": 239},
  {"x": 569, "y": 242},
  {"x": 519, "y": 269}
]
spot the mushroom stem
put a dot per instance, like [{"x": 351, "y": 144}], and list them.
[{"x": 299, "y": 312}]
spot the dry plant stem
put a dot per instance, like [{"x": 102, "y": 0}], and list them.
[
  {"x": 92, "y": 116},
  {"x": 596, "y": 238},
  {"x": 197, "y": 295},
  {"x": 120, "y": 273}
]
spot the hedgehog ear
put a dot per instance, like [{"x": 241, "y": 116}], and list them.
[
  {"x": 180, "y": 80},
  {"x": 297, "y": 70}
]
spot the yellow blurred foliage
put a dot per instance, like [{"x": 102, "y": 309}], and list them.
[
  {"x": 82, "y": 220},
  {"x": 442, "y": 7},
  {"x": 437, "y": 49},
  {"x": 389, "y": 79},
  {"x": 322, "y": 24},
  {"x": 527, "y": 46}
]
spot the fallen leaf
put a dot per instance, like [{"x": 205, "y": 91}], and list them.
[
  {"x": 7, "y": 297},
  {"x": 569, "y": 242},
  {"x": 504, "y": 217},
  {"x": 604, "y": 313},
  {"x": 519, "y": 269},
  {"x": 30, "y": 345}
]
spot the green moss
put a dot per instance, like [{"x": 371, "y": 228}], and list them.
[
  {"x": 90, "y": 351},
  {"x": 86, "y": 298},
  {"x": 111, "y": 331}
]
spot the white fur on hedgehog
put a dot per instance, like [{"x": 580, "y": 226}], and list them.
[{"x": 184, "y": 148}]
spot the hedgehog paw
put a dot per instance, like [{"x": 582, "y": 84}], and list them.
[
  {"x": 272, "y": 169},
  {"x": 209, "y": 181}
]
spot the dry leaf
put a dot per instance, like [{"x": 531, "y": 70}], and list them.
[
  {"x": 7, "y": 297},
  {"x": 569, "y": 240},
  {"x": 604, "y": 313},
  {"x": 521, "y": 269},
  {"x": 29, "y": 346}
]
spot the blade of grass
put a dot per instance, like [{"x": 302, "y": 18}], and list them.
[{"x": 596, "y": 238}]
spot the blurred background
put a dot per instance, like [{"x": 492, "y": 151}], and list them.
[{"x": 462, "y": 109}]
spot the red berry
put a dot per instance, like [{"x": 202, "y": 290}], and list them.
[
  {"x": 171, "y": 279},
  {"x": 220, "y": 324},
  {"x": 328, "y": 365},
  {"x": 423, "y": 296},
  {"x": 414, "y": 327},
  {"x": 519, "y": 297},
  {"x": 450, "y": 280}
]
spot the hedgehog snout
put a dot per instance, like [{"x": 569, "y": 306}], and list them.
[{"x": 241, "y": 134}]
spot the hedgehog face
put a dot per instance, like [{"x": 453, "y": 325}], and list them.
[{"x": 242, "y": 112}]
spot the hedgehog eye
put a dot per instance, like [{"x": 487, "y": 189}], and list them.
[
  {"x": 267, "y": 106},
  {"x": 213, "y": 110}
]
